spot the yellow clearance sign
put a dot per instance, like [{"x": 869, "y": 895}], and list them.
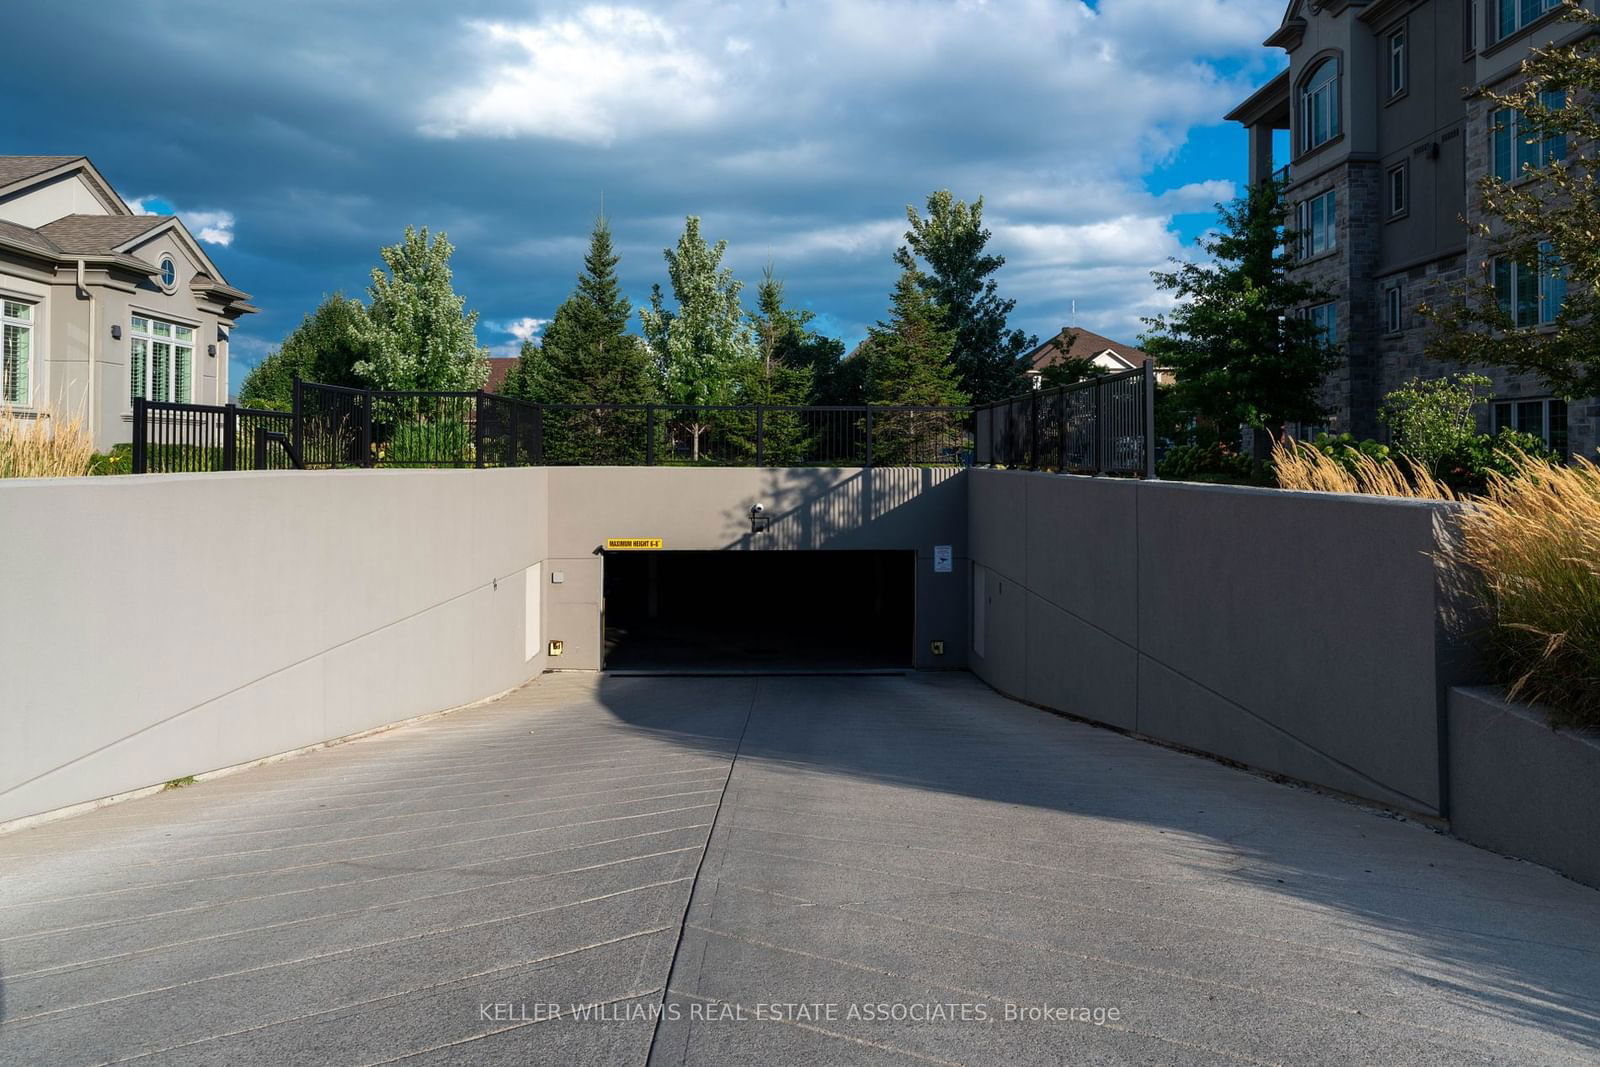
[{"x": 632, "y": 544}]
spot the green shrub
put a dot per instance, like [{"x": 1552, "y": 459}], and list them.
[
  {"x": 1212, "y": 463},
  {"x": 1467, "y": 467},
  {"x": 1345, "y": 450},
  {"x": 117, "y": 461},
  {"x": 1432, "y": 419}
]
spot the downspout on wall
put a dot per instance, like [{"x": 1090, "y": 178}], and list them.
[{"x": 83, "y": 289}]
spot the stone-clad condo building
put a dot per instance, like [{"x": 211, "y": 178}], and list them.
[{"x": 1388, "y": 137}]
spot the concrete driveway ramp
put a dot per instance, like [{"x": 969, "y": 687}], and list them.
[{"x": 914, "y": 870}]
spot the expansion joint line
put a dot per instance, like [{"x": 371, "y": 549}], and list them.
[{"x": 694, "y": 883}]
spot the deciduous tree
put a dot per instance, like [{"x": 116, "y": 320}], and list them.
[{"x": 417, "y": 331}]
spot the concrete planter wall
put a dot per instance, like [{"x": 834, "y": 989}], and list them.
[
  {"x": 1296, "y": 633},
  {"x": 1521, "y": 788}
]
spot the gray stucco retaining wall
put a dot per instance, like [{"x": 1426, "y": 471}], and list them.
[
  {"x": 165, "y": 626},
  {"x": 1521, "y": 788},
  {"x": 1296, "y": 633}
]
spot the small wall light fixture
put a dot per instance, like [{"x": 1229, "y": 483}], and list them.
[
  {"x": 211, "y": 350},
  {"x": 759, "y": 519},
  {"x": 116, "y": 331}
]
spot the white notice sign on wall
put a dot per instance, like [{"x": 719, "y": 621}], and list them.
[{"x": 942, "y": 559}]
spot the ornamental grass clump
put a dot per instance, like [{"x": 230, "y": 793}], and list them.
[
  {"x": 1531, "y": 545},
  {"x": 1302, "y": 466},
  {"x": 39, "y": 446}
]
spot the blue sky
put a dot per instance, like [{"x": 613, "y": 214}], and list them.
[{"x": 297, "y": 137}]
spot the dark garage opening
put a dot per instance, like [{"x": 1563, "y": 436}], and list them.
[{"x": 759, "y": 611}]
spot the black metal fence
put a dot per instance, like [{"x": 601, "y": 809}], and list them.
[
  {"x": 1102, "y": 426},
  {"x": 173, "y": 438},
  {"x": 335, "y": 426}
]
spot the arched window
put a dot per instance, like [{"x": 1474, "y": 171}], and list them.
[{"x": 1319, "y": 105}]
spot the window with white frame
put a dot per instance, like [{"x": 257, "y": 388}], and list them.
[
  {"x": 1318, "y": 223},
  {"x": 1544, "y": 418},
  {"x": 1399, "y": 189},
  {"x": 1393, "y": 309},
  {"x": 1325, "y": 317},
  {"x": 1512, "y": 15},
  {"x": 16, "y": 353},
  {"x": 1531, "y": 294},
  {"x": 160, "y": 360},
  {"x": 1518, "y": 147},
  {"x": 1399, "y": 62},
  {"x": 1319, "y": 105}
]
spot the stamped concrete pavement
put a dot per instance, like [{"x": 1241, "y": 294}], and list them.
[{"x": 777, "y": 870}]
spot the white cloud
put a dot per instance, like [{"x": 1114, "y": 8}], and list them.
[
  {"x": 586, "y": 77},
  {"x": 212, "y": 227},
  {"x": 521, "y": 330}
]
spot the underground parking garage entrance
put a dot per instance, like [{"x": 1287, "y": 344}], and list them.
[{"x": 790, "y": 611}]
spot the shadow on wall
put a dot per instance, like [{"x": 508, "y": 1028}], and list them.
[
  {"x": 950, "y": 734},
  {"x": 816, "y": 508}
]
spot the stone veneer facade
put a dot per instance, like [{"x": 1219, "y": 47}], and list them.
[{"x": 1441, "y": 130}]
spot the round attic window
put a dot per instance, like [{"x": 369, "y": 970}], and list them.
[{"x": 169, "y": 273}]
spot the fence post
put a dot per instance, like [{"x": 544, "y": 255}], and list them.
[
  {"x": 761, "y": 442},
  {"x": 1033, "y": 429},
  {"x": 649, "y": 435},
  {"x": 230, "y": 437},
  {"x": 366, "y": 428},
  {"x": 477, "y": 428},
  {"x": 141, "y": 428},
  {"x": 869, "y": 434},
  {"x": 297, "y": 426},
  {"x": 1099, "y": 426},
  {"x": 261, "y": 448},
  {"x": 1061, "y": 435},
  {"x": 1150, "y": 383}
]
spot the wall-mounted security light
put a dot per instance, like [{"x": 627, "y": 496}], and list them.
[
  {"x": 116, "y": 331},
  {"x": 211, "y": 350},
  {"x": 759, "y": 520}
]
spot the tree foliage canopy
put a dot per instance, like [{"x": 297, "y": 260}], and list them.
[
  {"x": 417, "y": 333},
  {"x": 325, "y": 348},
  {"x": 1242, "y": 353},
  {"x": 1549, "y": 226},
  {"x": 907, "y": 358},
  {"x": 958, "y": 278},
  {"x": 703, "y": 345}
]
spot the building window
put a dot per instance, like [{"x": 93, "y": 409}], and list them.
[
  {"x": 1325, "y": 317},
  {"x": 1319, "y": 106},
  {"x": 1393, "y": 310},
  {"x": 1399, "y": 191},
  {"x": 161, "y": 360},
  {"x": 1545, "y": 418},
  {"x": 169, "y": 273},
  {"x": 1469, "y": 24},
  {"x": 1318, "y": 223},
  {"x": 1518, "y": 148},
  {"x": 16, "y": 353},
  {"x": 1398, "y": 62},
  {"x": 1531, "y": 294},
  {"x": 1512, "y": 15}
]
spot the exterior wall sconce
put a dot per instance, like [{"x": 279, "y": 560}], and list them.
[
  {"x": 211, "y": 350},
  {"x": 759, "y": 519},
  {"x": 116, "y": 331}
]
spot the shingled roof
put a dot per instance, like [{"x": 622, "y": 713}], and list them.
[
  {"x": 98, "y": 235},
  {"x": 27, "y": 237},
  {"x": 14, "y": 169},
  {"x": 1074, "y": 342}
]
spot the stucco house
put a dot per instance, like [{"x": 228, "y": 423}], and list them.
[{"x": 99, "y": 305}]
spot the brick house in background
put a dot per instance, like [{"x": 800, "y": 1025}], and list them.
[
  {"x": 99, "y": 305},
  {"x": 1389, "y": 136}
]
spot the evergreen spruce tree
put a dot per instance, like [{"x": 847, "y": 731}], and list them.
[{"x": 907, "y": 362}]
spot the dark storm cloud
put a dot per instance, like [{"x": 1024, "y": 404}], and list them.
[{"x": 799, "y": 132}]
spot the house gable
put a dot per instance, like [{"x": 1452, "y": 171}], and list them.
[{"x": 36, "y": 190}]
